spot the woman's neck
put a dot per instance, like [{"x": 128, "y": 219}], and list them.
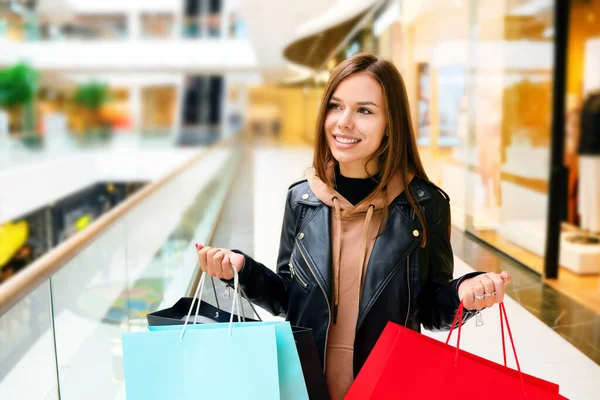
[{"x": 358, "y": 170}]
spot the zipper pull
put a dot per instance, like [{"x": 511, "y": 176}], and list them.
[
  {"x": 227, "y": 292},
  {"x": 478, "y": 319},
  {"x": 291, "y": 269}
]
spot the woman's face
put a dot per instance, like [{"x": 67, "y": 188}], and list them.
[{"x": 355, "y": 123}]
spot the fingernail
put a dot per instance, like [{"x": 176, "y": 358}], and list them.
[{"x": 198, "y": 247}]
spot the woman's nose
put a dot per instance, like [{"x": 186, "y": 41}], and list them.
[{"x": 345, "y": 121}]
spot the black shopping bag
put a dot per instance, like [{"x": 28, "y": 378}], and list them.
[
  {"x": 305, "y": 341},
  {"x": 311, "y": 363},
  {"x": 208, "y": 314}
]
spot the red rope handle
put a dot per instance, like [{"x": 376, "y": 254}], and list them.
[
  {"x": 512, "y": 342},
  {"x": 503, "y": 317},
  {"x": 457, "y": 318},
  {"x": 502, "y": 330},
  {"x": 458, "y": 313}
]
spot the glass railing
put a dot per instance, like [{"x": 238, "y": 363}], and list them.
[
  {"x": 16, "y": 151},
  {"x": 101, "y": 28},
  {"x": 63, "y": 339}
]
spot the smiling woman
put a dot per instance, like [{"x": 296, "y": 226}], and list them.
[{"x": 366, "y": 238}]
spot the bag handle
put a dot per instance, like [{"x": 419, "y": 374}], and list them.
[
  {"x": 503, "y": 318},
  {"x": 212, "y": 280},
  {"x": 198, "y": 295}
]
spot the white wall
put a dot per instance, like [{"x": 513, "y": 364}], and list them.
[
  {"x": 54, "y": 178},
  {"x": 591, "y": 80},
  {"x": 169, "y": 55},
  {"x": 109, "y": 6}
]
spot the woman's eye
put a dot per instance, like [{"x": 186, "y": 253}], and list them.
[
  {"x": 365, "y": 111},
  {"x": 333, "y": 106}
]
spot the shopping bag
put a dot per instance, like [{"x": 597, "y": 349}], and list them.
[
  {"x": 407, "y": 364},
  {"x": 306, "y": 347},
  {"x": 177, "y": 314},
  {"x": 206, "y": 363},
  {"x": 251, "y": 360},
  {"x": 311, "y": 363}
]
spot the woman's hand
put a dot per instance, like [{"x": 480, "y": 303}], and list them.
[
  {"x": 483, "y": 290},
  {"x": 217, "y": 262}
]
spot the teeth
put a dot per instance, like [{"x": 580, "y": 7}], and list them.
[{"x": 346, "y": 141}]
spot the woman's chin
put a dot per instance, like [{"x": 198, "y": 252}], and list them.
[{"x": 344, "y": 158}]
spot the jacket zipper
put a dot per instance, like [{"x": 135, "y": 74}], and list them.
[
  {"x": 408, "y": 285},
  {"x": 412, "y": 216},
  {"x": 386, "y": 281},
  {"x": 326, "y": 299},
  {"x": 297, "y": 275}
]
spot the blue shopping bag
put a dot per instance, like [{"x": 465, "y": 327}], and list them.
[
  {"x": 291, "y": 378},
  {"x": 252, "y": 360}
]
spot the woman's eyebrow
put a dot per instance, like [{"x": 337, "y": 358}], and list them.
[{"x": 360, "y": 103}]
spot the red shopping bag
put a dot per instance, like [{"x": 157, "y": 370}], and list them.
[{"x": 407, "y": 364}]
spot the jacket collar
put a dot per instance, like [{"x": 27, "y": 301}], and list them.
[{"x": 418, "y": 188}]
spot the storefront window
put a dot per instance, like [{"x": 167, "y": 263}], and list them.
[
  {"x": 479, "y": 80},
  {"x": 580, "y": 236},
  {"x": 510, "y": 118}
]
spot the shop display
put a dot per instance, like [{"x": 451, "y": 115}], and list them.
[
  {"x": 25, "y": 240},
  {"x": 589, "y": 165},
  {"x": 423, "y": 104},
  {"x": 21, "y": 242},
  {"x": 452, "y": 90},
  {"x": 12, "y": 238}
]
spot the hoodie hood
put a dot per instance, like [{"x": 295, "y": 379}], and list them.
[{"x": 326, "y": 194}]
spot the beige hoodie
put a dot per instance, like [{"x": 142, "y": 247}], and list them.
[{"x": 353, "y": 233}]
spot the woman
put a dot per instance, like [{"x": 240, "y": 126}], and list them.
[{"x": 366, "y": 238}]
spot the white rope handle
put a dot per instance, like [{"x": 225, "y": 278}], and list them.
[
  {"x": 237, "y": 301},
  {"x": 198, "y": 295}
]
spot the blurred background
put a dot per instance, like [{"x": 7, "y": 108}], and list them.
[{"x": 132, "y": 129}]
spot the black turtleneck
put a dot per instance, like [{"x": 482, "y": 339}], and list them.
[{"x": 353, "y": 189}]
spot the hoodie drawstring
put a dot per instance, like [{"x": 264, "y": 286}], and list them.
[
  {"x": 337, "y": 251},
  {"x": 363, "y": 249}
]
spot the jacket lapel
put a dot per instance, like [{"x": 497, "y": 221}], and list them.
[
  {"x": 389, "y": 253},
  {"x": 316, "y": 240}
]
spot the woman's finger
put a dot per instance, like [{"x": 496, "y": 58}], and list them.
[
  {"x": 489, "y": 291},
  {"x": 202, "y": 258},
  {"x": 217, "y": 261},
  {"x": 226, "y": 268},
  {"x": 498, "y": 287},
  {"x": 210, "y": 255},
  {"x": 478, "y": 294}
]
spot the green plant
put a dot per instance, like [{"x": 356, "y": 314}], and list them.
[
  {"x": 18, "y": 85},
  {"x": 92, "y": 95}
]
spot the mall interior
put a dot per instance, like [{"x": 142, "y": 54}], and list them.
[{"x": 132, "y": 130}]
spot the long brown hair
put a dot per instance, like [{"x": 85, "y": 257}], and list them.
[{"x": 398, "y": 151}]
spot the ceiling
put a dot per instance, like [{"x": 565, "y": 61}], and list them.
[{"x": 272, "y": 27}]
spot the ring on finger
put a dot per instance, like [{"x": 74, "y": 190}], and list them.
[
  {"x": 486, "y": 294},
  {"x": 480, "y": 297}
]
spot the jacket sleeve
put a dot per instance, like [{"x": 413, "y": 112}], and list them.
[
  {"x": 439, "y": 299},
  {"x": 263, "y": 286}
]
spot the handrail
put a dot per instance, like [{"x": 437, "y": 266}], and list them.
[
  {"x": 26, "y": 281},
  {"x": 195, "y": 281}
]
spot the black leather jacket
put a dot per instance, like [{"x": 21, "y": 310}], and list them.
[{"x": 405, "y": 283}]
